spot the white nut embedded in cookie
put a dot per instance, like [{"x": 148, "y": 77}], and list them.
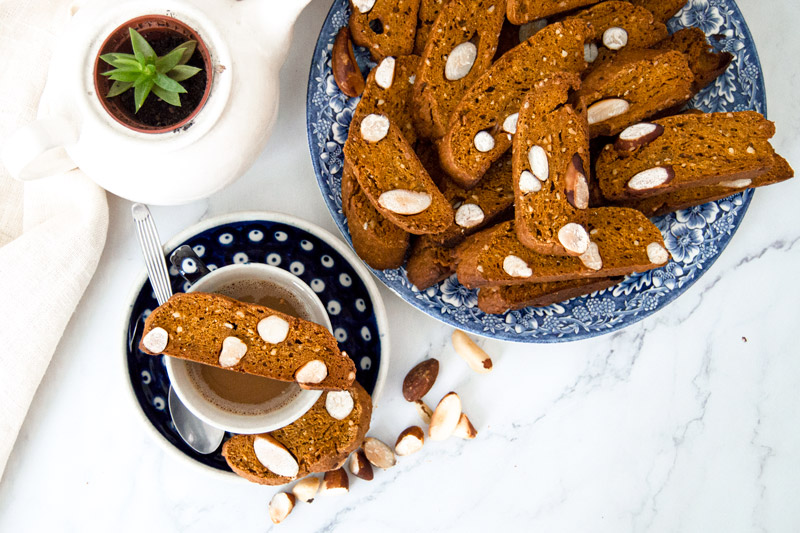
[
  {"x": 405, "y": 202},
  {"x": 573, "y": 238},
  {"x": 537, "y": 159},
  {"x": 469, "y": 215},
  {"x": 591, "y": 257},
  {"x": 638, "y": 135},
  {"x": 460, "y": 61},
  {"x": 615, "y": 38},
  {"x": 484, "y": 142},
  {"x": 606, "y": 109},
  {"x": 384, "y": 72},
  {"x": 374, "y": 127},
  {"x": 233, "y": 349},
  {"x": 528, "y": 182},
  {"x": 273, "y": 329},
  {"x": 311, "y": 373},
  {"x": 590, "y": 52},
  {"x": 364, "y": 6},
  {"x": 305, "y": 489},
  {"x": 736, "y": 184},
  {"x": 410, "y": 441},
  {"x": 652, "y": 178},
  {"x": 339, "y": 404},
  {"x": 575, "y": 183},
  {"x": 516, "y": 267},
  {"x": 274, "y": 456},
  {"x": 156, "y": 340},
  {"x": 280, "y": 506},
  {"x": 445, "y": 417},
  {"x": 378, "y": 453},
  {"x": 510, "y": 123},
  {"x": 657, "y": 254}
]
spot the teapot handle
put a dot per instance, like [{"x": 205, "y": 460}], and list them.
[{"x": 37, "y": 149}]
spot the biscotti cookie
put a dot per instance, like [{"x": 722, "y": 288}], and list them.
[
  {"x": 428, "y": 13},
  {"x": 551, "y": 171},
  {"x": 632, "y": 86},
  {"x": 392, "y": 177},
  {"x": 623, "y": 242},
  {"x": 662, "y": 9},
  {"x": 429, "y": 263},
  {"x": 685, "y": 151},
  {"x": 388, "y": 92},
  {"x": 219, "y": 331},
  {"x": 319, "y": 440},
  {"x": 483, "y": 124},
  {"x": 498, "y": 300},
  {"x": 479, "y": 207},
  {"x": 522, "y": 11},
  {"x": 706, "y": 64},
  {"x": 461, "y": 46},
  {"x": 617, "y": 25},
  {"x": 377, "y": 241},
  {"x": 672, "y": 201},
  {"x": 385, "y": 27}
]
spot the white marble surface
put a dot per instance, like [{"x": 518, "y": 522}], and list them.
[{"x": 686, "y": 421}]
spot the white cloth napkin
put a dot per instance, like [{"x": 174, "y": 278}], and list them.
[{"x": 52, "y": 231}]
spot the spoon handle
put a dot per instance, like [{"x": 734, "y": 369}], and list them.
[{"x": 153, "y": 252}]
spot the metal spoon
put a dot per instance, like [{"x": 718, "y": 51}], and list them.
[{"x": 202, "y": 437}]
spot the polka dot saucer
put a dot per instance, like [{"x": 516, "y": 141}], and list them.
[{"x": 322, "y": 261}]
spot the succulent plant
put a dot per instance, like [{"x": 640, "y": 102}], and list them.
[{"x": 144, "y": 71}]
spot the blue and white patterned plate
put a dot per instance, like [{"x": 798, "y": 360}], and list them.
[
  {"x": 695, "y": 236},
  {"x": 323, "y": 261}
]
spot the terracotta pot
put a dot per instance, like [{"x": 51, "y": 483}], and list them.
[{"x": 151, "y": 27}]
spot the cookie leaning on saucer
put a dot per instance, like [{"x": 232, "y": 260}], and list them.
[
  {"x": 219, "y": 331},
  {"x": 318, "y": 441}
]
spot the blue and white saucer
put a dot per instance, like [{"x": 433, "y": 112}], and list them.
[{"x": 322, "y": 261}]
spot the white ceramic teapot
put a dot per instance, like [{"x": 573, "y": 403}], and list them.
[{"x": 247, "y": 41}]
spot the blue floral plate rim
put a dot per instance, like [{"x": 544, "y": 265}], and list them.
[
  {"x": 329, "y": 238},
  {"x": 740, "y": 87}
]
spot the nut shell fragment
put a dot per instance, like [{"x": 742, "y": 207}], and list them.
[
  {"x": 477, "y": 359},
  {"x": 410, "y": 441},
  {"x": 306, "y": 489},
  {"x": 420, "y": 379},
  {"x": 335, "y": 482},
  {"x": 280, "y": 506},
  {"x": 445, "y": 417},
  {"x": 360, "y": 465},
  {"x": 465, "y": 429},
  {"x": 379, "y": 453}
]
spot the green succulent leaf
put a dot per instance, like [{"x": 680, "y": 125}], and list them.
[
  {"x": 119, "y": 87},
  {"x": 110, "y": 58},
  {"x": 141, "y": 88},
  {"x": 131, "y": 65},
  {"x": 165, "y": 63},
  {"x": 183, "y": 72},
  {"x": 122, "y": 75},
  {"x": 168, "y": 84},
  {"x": 168, "y": 96},
  {"x": 187, "y": 50},
  {"x": 141, "y": 48}
]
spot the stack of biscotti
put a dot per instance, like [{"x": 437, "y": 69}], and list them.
[
  {"x": 318, "y": 441},
  {"x": 427, "y": 157},
  {"x": 219, "y": 331}
]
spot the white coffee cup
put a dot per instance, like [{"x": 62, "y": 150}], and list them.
[{"x": 207, "y": 408}]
